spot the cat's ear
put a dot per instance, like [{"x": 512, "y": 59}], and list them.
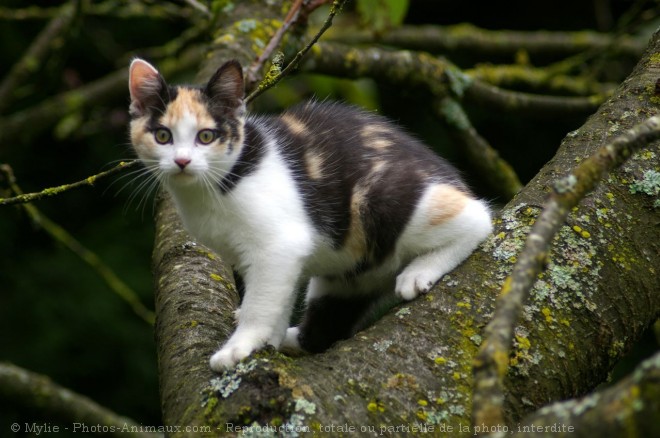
[
  {"x": 226, "y": 87},
  {"x": 145, "y": 85}
]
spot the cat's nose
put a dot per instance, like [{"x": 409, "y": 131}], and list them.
[{"x": 182, "y": 162}]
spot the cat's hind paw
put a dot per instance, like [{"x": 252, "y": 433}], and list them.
[{"x": 291, "y": 343}]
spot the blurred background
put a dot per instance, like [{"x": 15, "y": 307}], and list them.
[{"x": 58, "y": 316}]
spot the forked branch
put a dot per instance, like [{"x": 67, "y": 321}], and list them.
[{"x": 491, "y": 363}]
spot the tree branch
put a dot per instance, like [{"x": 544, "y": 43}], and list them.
[
  {"x": 539, "y": 79},
  {"x": 274, "y": 42},
  {"x": 526, "y": 104},
  {"x": 629, "y": 408},
  {"x": 491, "y": 363},
  {"x": 33, "y": 390},
  {"x": 462, "y": 38},
  {"x": 482, "y": 157},
  {"x": 108, "y": 8}
]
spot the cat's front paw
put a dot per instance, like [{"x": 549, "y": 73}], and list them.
[
  {"x": 240, "y": 346},
  {"x": 229, "y": 355}
]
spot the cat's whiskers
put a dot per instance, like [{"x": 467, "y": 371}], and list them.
[
  {"x": 145, "y": 188},
  {"x": 133, "y": 176},
  {"x": 148, "y": 178}
]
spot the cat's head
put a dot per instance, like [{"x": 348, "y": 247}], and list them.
[{"x": 187, "y": 134}]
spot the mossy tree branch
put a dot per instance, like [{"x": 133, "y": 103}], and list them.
[
  {"x": 468, "y": 38},
  {"x": 628, "y": 408},
  {"x": 541, "y": 80},
  {"x": 272, "y": 79},
  {"x": 526, "y": 104},
  {"x": 35, "y": 391},
  {"x": 491, "y": 363}
]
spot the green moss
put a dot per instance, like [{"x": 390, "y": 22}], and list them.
[
  {"x": 211, "y": 403},
  {"x": 654, "y": 59}
]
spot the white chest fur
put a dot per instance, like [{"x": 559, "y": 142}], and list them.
[{"x": 263, "y": 213}]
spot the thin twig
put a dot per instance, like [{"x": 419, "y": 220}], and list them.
[
  {"x": 52, "y": 191},
  {"x": 491, "y": 363},
  {"x": 58, "y": 233},
  {"x": 291, "y": 18},
  {"x": 271, "y": 81}
]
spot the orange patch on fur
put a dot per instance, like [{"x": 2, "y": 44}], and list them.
[
  {"x": 314, "y": 165},
  {"x": 373, "y": 130},
  {"x": 187, "y": 101},
  {"x": 142, "y": 140},
  {"x": 356, "y": 239},
  {"x": 295, "y": 125},
  {"x": 445, "y": 203},
  {"x": 378, "y": 143}
]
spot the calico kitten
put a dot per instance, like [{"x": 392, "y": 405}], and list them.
[{"x": 324, "y": 195}]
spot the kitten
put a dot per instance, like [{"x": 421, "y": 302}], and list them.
[{"x": 324, "y": 194}]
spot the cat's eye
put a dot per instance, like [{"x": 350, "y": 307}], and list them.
[
  {"x": 163, "y": 135},
  {"x": 206, "y": 136}
]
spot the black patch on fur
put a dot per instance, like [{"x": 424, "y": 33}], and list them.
[
  {"x": 334, "y": 133},
  {"x": 329, "y": 319},
  {"x": 156, "y": 104},
  {"x": 248, "y": 159}
]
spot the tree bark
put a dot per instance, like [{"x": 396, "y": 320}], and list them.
[
  {"x": 629, "y": 408},
  {"x": 412, "y": 370}
]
